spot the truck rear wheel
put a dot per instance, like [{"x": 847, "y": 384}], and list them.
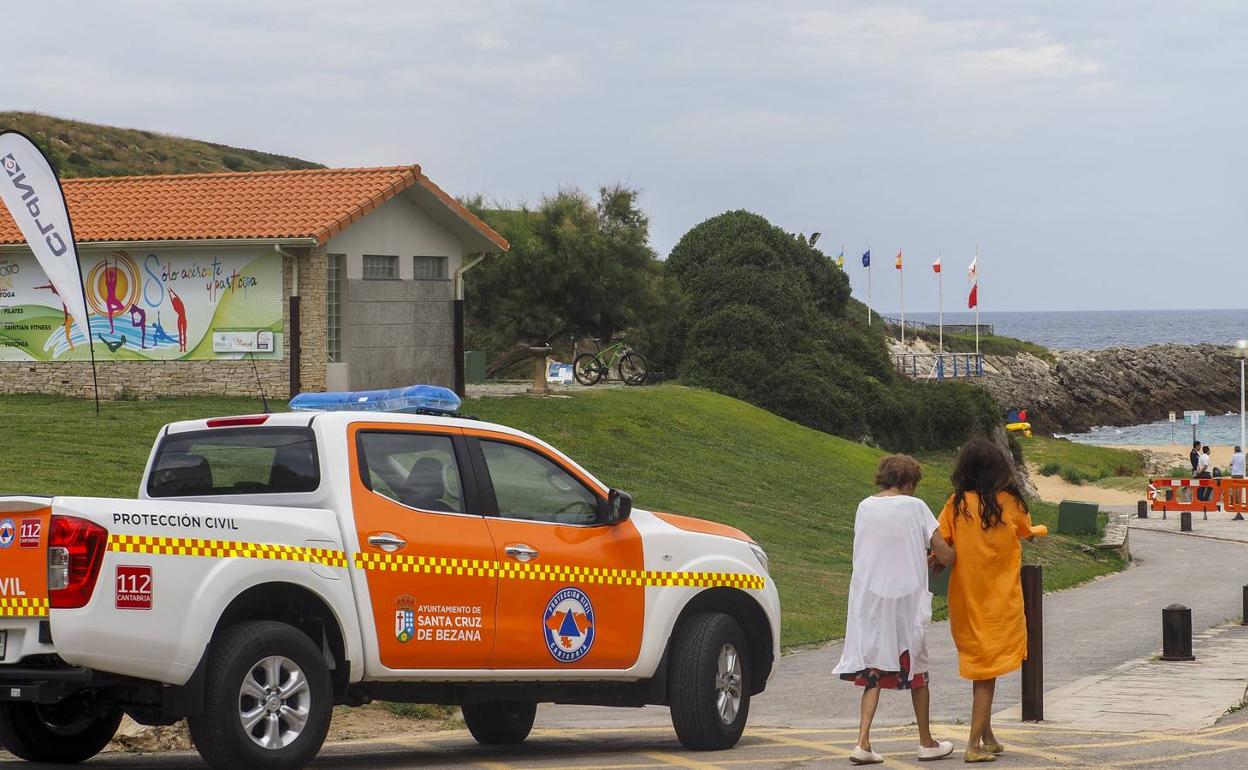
[
  {"x": 267, "y": 699},
  {"x": 710, "y": 697},
  {"x": 62, "y": 733},
  {"x": 500, "y": 722}
]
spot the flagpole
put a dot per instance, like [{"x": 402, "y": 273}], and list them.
[
  {"x": 868, "y": 286},
  {"x": 977, "y": 301},
  {"x": 940, "y": 283},
  {"x": 901, "y": 269}
]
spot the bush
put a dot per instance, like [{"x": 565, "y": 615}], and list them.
[
  {"x": 1073, "y": 476},
  {"x": 1050, "y": 469},
  {"x": 767, "y": 323}
]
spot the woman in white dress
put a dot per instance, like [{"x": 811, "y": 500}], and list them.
[{"x": 889, "y": 604}]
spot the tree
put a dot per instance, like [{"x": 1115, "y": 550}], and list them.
[
  {"x": 576, "y": 267},
  {"x": 765, "y": 321}
]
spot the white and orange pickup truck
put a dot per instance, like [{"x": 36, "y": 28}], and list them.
[{"x": 276, "y": 565}]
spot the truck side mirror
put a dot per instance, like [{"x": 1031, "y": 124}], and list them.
[{"x": 619, "y": 506}]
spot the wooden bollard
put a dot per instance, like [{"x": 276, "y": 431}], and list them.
[{"x": 1033, "y": 666}]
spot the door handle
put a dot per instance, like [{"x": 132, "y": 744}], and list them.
[
  {"x": 387, "y": 541},
  {"x": 521, "y": 552}
]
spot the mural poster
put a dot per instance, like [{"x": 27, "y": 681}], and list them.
[{"x": 176, "y": 304}]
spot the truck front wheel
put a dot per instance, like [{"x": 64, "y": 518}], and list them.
[
  {"x": 62, "y": 733},
  {"x": 500, "y": 722},
  {"x": 267, "y": 699},
  {"x": 709, "y": 691}
]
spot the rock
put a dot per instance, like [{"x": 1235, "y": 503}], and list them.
[{"x": 1120, "y": 386}]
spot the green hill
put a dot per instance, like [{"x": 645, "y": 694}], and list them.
[
  {"x": 676, "y": 449},
  {"x": 79, "y": 149}
]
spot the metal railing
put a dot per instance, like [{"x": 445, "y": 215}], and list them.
[
  {"x": 940, "y": 366},
  {"x": 985, "y": 330}
]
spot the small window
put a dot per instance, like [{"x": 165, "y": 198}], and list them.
[
  {"x": 531, "y": 487},
  {"x": 235, "y": 462},
  {"x": 429, "y": 268},
  {"x": 415, "y": 469},
  {"x": 333, "y": 306},
  {"x": 378, "y": 267}
]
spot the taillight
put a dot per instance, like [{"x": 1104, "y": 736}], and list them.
[{"x": 75, "y": 552}]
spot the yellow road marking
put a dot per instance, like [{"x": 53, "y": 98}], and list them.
[
  {"x": 677, "y": 760},
  {"x": 831, "y": 750}
]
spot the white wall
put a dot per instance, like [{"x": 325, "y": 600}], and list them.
[{"x": 398, "y": 227}]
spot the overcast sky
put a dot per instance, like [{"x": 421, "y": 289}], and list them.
[{"x": 1093, "y": 150}]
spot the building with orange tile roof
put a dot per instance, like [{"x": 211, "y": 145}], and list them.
[{"x": 205, "y": 283}]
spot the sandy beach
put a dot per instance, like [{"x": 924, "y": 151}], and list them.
[{"x": 1167, "y": 456}]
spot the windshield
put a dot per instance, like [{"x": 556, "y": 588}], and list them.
[{"x": 244, "y": 461}]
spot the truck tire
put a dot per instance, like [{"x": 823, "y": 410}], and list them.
[
  {"x": 61, "y": 734},
  {"x": 262, "y": 679},
  {"x": 499, "y": 723},
  {"x": 709, "y": 694}
]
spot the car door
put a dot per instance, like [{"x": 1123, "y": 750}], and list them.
[
  {"x": 424, "y": 547},
  {"x": 570, "y": 591}
]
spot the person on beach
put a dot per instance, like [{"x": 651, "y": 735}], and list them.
[
  {"x": 983, "y": 520},
  {"x": 1237, "y": 463},
  {"x": 1204, "y": 470},
  {"x": 889, "y": 604},
  {"x": 1194, "y": 456}
]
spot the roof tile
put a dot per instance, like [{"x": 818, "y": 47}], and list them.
[{"x": 313, "y": 203}]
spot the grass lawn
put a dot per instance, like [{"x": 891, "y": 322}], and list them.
[
  {"x": 676, "y": 449},
  {"x": 1080, "y": 463}
]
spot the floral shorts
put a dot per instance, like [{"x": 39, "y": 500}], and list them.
[{"x": 901, "y": 679}]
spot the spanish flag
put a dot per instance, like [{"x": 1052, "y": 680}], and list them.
[{"x": 898, "y": 259}]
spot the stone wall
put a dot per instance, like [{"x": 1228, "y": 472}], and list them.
[{"x": 149, "y": 379}]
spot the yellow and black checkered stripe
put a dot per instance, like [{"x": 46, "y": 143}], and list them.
[
  {"x": 431, "y": 565},
  {"x": 438, "y": 565},
  {"x": 225, "y": 549},
  {"x": 23, "y": 608}
]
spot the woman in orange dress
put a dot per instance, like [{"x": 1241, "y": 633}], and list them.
[{"x": 983, "y": 520}]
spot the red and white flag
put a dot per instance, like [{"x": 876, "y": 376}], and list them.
[
  {"x": 973, "y": 300},
  {"x": 936, "y": 265}
]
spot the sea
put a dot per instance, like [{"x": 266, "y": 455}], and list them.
[{"x": 1099, "y": 329}]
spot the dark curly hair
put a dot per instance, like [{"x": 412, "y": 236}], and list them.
[{"x": 984, "y": 469}]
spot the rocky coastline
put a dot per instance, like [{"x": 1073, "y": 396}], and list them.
[{"x": 1080, "y": 389}]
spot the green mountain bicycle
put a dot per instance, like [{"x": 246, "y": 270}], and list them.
[{"x": 593, "y": 368}]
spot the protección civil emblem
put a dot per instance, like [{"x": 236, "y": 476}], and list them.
[
  {"x": 569, "y": 625},
  {"x": 404, "y": 618}
]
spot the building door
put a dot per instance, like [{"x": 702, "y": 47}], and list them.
[{"x": 425, "y": 550}]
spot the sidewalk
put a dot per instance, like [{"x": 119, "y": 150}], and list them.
[
  {"x": 1219, "y": 525},
  {"x": 1149, "y": 694},
  {"x": 1089, "y": 631}
]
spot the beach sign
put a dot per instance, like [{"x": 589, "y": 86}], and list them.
[
  {"x": 1194, "y": 416},
  {"x": 1172, "y": 417}
]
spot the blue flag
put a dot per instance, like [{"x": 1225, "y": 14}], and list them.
[{"x": 866, "y": 258}]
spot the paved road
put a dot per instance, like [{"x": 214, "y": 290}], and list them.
[
  {"x": 1027, "y": 748},
  {"x": 803, "y": 720},
  {"x": 1087, "y": 630}
]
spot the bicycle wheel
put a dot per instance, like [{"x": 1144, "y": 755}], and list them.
[
  {"x": 587, "y": 370},
  {"x": 632, "y": 369}
]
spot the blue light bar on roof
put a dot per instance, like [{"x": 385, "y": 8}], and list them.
[{"x": 412, "y": 399}]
